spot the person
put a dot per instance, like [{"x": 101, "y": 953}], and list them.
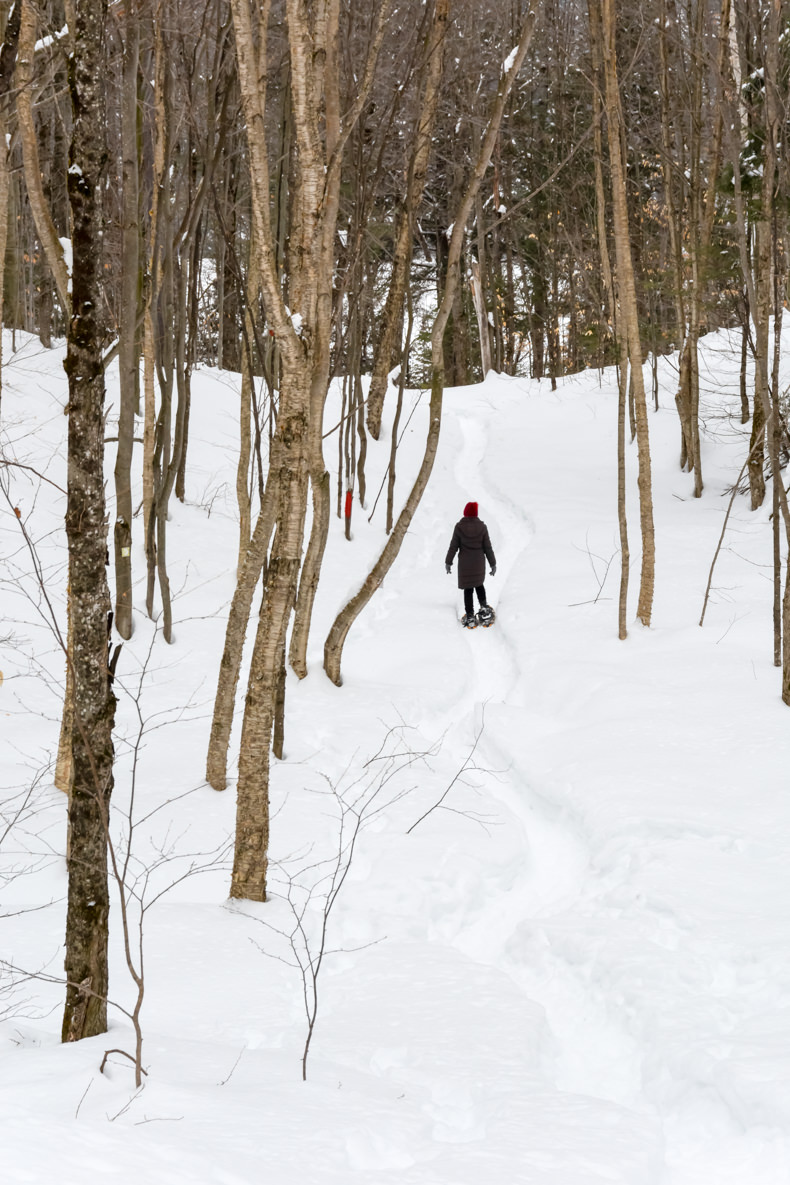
[{"x": 470, "y": 540}]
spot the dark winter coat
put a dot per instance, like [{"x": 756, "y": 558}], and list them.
[{"x": 470, "y": 540}]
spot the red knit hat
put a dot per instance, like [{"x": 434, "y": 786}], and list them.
[{"x": 470, "y": 510}]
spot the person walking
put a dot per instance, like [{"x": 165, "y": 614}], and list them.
[{"x": 470, "y": 540}]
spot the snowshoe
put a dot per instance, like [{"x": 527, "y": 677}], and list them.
[
  {"x": 469, "y": 620},
  {"x": 486, "y": 616}
]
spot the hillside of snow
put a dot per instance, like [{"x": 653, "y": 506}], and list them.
[{"x": 561, "y": 955}]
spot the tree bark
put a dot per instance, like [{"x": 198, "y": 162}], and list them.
[
  {"x": 606, "y": 268},
  {"x": 478, "y": 298},
  {"x": 762, "y": 286},
  {"x": 396, "y": 420},
  {"x": 304, "y": 353},
  {"x": 245, "y": 409},
  {"x": 45, "y": 227},
  {"x": 629, "y": 317},
  {"x": 764, "y": 398},
  {"x": 392, "y": 316},
  {"x": 776, "y": 516},
  {"x": 238, "y": 617},
  {"x": 252, "y": 808},
  {"x": 94, "y": 702},
  {"x": 64, "y": 767},
  {"x": 742, "y": 374},
  {"x": 320, "y": 360},
  {"x": 4, "y": 176},
  {"x": 288, "y": 475},
  {"x": 336, "y": 638},
  {"x": 152, "y": 293},
  {"x": 128, "y": 368}
]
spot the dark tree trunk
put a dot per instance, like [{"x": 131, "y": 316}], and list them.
[
  {"x": 230, "y": 358},
  {"x": 538, "y": 326},
  {"x": 129, "y": 337},
  {"x": 86, "y": 528},
  {"x": 745, "y": 409},
  {"x": 392, "y": 317}
]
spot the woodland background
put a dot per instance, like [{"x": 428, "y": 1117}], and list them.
[{"x": 379, "y": 197}]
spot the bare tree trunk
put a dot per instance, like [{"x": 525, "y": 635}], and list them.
[
  {"x": 762, "y": 269},
  {"x": 5, "y": 32},
  {"x": 703, "y": 208},
  {"x": 45, "y": 227},
  {"x": 238, "y": 617},
  {"x": 362, "y": 438},
  {"x": 629, "y": 318},
  {"x": 476, "y": 285},
  {"x": 775, "y": 114},
  {"x": 252, "y": 808},
  {"x": 64, "y": 767},
  {"x": 336, "y": 638},
  {"x": 311, "y": 233},
  {"x": 392, "y": 316},
  {"x": 320, "y": 363},
  {"x": 245, "y": 409},
  {"x": 228, "y": 317},
  {"x": 778, "y": 308},
  {"x": 319, "y": 477},
  {"x": 677, "y": 175},
  {"x": 11, "y": 310},
  {"x": 278, "y": 733},
  {"x": 622, "y": 519},
  {"x": 764, "y": 397},
  {"x": 600, "y": 197},
  {"x": 191, "y": 299},
  {"x": 128, "y": 333},
  {"x": 152, "y": 294},
  {"x": 303, "y": 346},
  {"x": 149, "y": 425},
  {"x": 251, "y": 50},
  {"x": 180, "y": 213},
  {"x": 745, "y": 409},
  {"x": 94, "y": 702},
  {"x": 396, "y": 421},
  {"x": 620, "y": 334},
  {"x": 171, "y": 464},
  {"x": 308, "y": 583},
  {"x": 163, "y": 359}
]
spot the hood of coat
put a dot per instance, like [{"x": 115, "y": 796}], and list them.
[{"x": 471, "y": 528}]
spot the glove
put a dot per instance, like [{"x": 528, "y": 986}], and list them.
[
  {"x": 448, "y": 568},
  {"x": 493, "y": 569}
]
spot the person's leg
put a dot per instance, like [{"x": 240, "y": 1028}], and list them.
[
  {"x": 469, "y": 602},
  {"x": 481, "y": 595}
]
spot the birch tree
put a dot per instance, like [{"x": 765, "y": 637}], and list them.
[
  {"x": 302, "y": 332},
  {"x": 336, "y": 638}
]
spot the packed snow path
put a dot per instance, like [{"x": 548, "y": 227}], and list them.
[
  {"x": 665, "y": 798},
  {"x": 580, "y": 970}
]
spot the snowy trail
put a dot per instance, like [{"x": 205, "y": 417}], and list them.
[
  {"x": 498, "y": 684},
  {"x": 496, "y": 673},
  {"x": 545, "y": 874},
  {"x": 579, "y": 928},
  {"x": 578, "y": 972},
  {"x": 551, "y": 874}
]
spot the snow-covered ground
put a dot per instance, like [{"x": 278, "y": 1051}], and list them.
[{"x": 576, "y": 969}]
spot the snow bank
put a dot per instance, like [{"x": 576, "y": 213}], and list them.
[{"x": 575, "y": 970}]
